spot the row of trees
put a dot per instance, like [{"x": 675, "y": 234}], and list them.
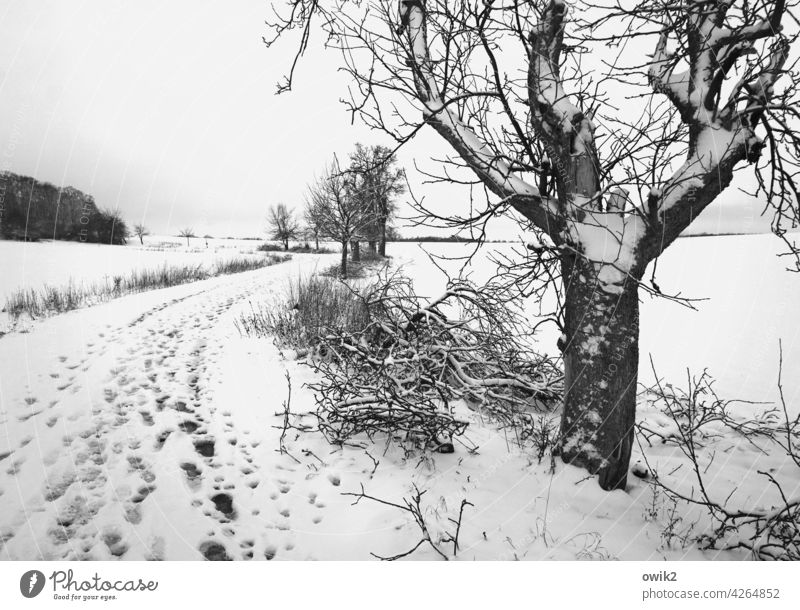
[{"x": 348, "y": 205}]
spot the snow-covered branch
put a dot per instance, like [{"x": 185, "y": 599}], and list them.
[
  {"x": 557, "y": 119},
  {"x": 495, "y": 172}
]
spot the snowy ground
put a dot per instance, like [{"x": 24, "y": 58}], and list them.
[
  {"x": 145, "y": 428},
  {"x": 32, "y": 265}
]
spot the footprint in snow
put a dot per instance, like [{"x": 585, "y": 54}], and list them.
[
  {"x": 214, "y": 551},
  {"x": 223, "y": 502},
  {"x": 188, "y": 426},
  {"x": 113, "y": 540},
  {"x": 204, "y": 446},
  {"x": 147, "y": 418},
  {"x": 161, "y": 439}
]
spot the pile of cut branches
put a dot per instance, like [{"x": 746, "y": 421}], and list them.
[{"x": 403, "y": 371}]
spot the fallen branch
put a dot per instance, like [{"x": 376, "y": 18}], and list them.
[{"x": 413, "y": 506}]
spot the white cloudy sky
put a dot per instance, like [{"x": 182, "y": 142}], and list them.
[{"x": 166, "y": 109}]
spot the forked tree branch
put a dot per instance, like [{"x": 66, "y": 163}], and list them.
[{"x": 490, "y": 167}]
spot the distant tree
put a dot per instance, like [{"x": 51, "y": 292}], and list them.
[
  {"x": 282, "y": 224},
  {"x": 378, "y": 181},
  {"x": 107, "y": 227},
  {"x": 187, "y": 233},
  {"x": 313, "y": 219},
  {"x": 139, "y": 230},
  {"x": 393, "y": 234},
  {"x": 342, "y": 215}
]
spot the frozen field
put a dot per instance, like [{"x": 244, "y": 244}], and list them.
[
  {"x": 31, "y": 265},
  {"x": 148, "y": 428}
]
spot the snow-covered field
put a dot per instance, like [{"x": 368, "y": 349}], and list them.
[
  {"x": 55, "y": 263},
  {"x": 145, "y": 428}
]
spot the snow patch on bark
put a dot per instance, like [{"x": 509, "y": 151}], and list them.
[{"x": 610, "y": 242}]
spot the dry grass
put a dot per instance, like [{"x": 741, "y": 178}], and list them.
[
  {"x": 57, "y": 299},
  {"x": 311, "y": 306}
]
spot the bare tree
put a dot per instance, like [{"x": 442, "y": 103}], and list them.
[
  {"x": 187, "y": 233},
  {"x": 342, "y": 217},
  {"x": 604, "y": 129},
  {"x": 282, "y": 224},
  {"x": 140, "y": 231},
  {"x": 378, "y": 182}
]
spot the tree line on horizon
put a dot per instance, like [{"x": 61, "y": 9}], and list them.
[{"x": 31, "y": 210}]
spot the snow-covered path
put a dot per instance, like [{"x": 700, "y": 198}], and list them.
[{"x": 117, "y": 437}]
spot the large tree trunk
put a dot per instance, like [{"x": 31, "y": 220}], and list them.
[
  {"x": 343, "y": 266},
  {"x": 316, "y": 240},
  {"x": 382, "y": 241},
  {"x": 601, "y": 360},
  {"x": 355, "y": 246}
]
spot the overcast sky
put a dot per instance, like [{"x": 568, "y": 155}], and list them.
[{"x": 166, "y": 110}]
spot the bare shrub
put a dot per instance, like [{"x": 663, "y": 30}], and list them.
[
  {"x": 413, "y": 506},
  {"x": 542, "y": 432},
  {"x": 698, "y": 417}
]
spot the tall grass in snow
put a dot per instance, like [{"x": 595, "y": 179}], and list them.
[
  {"x": 58, "y": 299},
  {"x": 310, "y": 308}
]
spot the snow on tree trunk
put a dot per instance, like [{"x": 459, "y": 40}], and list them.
[{"x": 601, "y": 359}]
